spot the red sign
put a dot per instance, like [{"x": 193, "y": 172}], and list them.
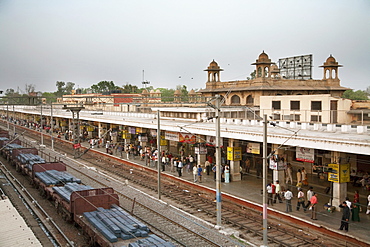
[{"x": 77, "y": 145}]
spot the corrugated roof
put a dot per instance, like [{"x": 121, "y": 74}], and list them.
[{"x": 13, "y": 229}]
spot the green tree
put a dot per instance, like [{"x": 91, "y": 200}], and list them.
[
  {"x": 167, "y": 94},
  {"x": 355, "y": 95},
  {"x": 184, "y": 92},
  {"x": 103, "y": 86},
  {"x": 69, "y": 87},
  {"x": 128, "y": 88},
  {"x": 50, "y": 97},
  {"x": 252, "y": 75},
  {"x": 60, "y": 88}
]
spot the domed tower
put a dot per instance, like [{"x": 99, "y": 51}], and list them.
[
  {"x": 331, "y": 68},
  {"x": 213, "y": 72},
  {"x": 275, "y": 71},
  {"x": 263, "y": 65}
]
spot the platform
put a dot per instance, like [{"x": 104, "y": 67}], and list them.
[{"x": 250, "y": 188}]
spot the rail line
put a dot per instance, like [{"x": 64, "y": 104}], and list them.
[
  {"x": 175, "y": 231},
  {"x": 247, "y": 217}
]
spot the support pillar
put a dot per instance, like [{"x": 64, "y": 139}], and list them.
[
  {"x": 339, "y": 189},
  {"x": 276, "y": 174},
  {"x": 234, "y": 165}
]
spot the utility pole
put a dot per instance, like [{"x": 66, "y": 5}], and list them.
[
  {"x": 218, "y": 161},
  {"x": 51, "y": 126},
  {"x": 42, "y": 136},
  {"x": 159, "y": 152},
  {"x": 7, "y": 113},
  {"x": 264, "y": 154}
]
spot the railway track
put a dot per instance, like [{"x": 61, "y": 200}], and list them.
[
  {"x": 153, "y": 215},
  {"x": 241, "y": 217}
]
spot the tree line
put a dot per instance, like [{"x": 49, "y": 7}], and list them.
[{"x": 31, "y": 96}]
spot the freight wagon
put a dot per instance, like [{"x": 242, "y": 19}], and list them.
[{"x": 95, "y": 211}]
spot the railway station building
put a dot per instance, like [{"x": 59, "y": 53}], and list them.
[{"x": 314, "y": 127}]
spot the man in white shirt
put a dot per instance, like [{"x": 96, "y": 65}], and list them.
[{"x": 288, "y": 199}]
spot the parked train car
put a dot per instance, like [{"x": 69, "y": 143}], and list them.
[{"x": 96, "y": 211}]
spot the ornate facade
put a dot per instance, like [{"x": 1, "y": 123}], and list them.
[{"x": 268, "y": 82}]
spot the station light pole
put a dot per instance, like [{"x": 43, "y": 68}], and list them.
[
  {"x": 51, "y": 126},
  {"x": 264, "y": 199},
  {"x": 42, "y": 136},
  {"x": 159, "y": 152},
  {"x": 76, "y": 130},
  {"x": 218, "y": 161}
]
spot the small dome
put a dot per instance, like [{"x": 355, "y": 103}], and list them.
[
  {"x": 177, "y": 92},
  {"x": 157, "y": 91},
  {"x": 192, "y": 92},
  {"x": 274, "y": 67},
  {"x": 144, "y": 91},
  {"x": 330, "y": 61},
  {"x": 152, "y": 91},
  {"x": 263, "y": 56}
]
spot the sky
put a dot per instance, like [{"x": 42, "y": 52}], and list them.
[{"x": 171, "y": 42}]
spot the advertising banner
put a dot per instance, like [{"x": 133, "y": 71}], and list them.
[
  {"x": 187, "y": 138},
  {"x": 171, "y": 136},
  {"x": 305, "y": 154},
  {"x": 132, "y": 130},
  {"x": 234, "y": 153},
  {"x": 253, "y": 148}
]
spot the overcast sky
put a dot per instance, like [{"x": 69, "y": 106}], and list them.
[{"x": 87, "y": 41}]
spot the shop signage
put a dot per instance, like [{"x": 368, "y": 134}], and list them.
[
  {"x": 305, "y": 154},
  {"x": 200, "y": 150},
  {"x": 277, "y": 164},
  {"x": 153, "y": 133},
  {"x": 171, "y": 136},
  {"x": 253, "y": 148},
  {"x": 234, "y": 153},
  {"x": 132, "y": 130},
  {"x": 163, "y": 141},
  {"x": 339, "y": 173},
  {"x": 143, "y": 138},
  {"x": 187, "y": 138}
]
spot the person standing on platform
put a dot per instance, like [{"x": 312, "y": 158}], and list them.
[
  {"x": 301, "y": 200},
  {"x": 179, "y": 167},
  {"x": 313, "y": 206},
  {"x": 304, "y": 177},
  {"x": 227, "y": 174},
  {"x": 355, "y": 211},
  {"x": 299, "y": 178},
  {"x": 288, "y": 174},
  {"x": 200, "y": 173},
  {"x": 214, "y": 168},
  {"x": 288, "y": 195},
  {"x": 107, "y": 146},
  {"x": 345, "y": 216},
  {"x": 356, "y": 197},
  {"x": 309, "y": 196},
  {"x": 207, "y": 166},
  {"x": 269, "y": 195},
  {"x": 368, "y": 204},
  {"x": 195, "y": 174},
  {"x": 277, "y": 192}
]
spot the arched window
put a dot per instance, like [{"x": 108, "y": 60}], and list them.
[
  {"x": 259, "y": 72},
  {"x": 250, "y": 100},
  {"x": 266, "y": 72},
  {"x": 235, "y": 100}
]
